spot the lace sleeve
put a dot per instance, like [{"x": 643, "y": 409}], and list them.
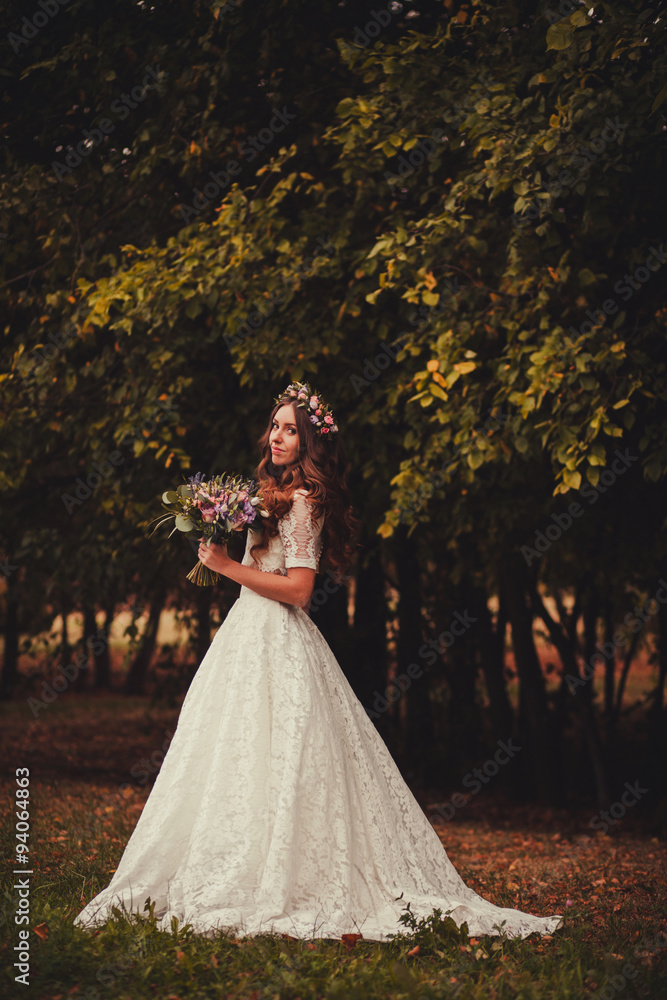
[{"x": 301, "y": 536}]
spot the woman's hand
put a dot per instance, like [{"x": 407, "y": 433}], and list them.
[{"x": 214, "y": 557}]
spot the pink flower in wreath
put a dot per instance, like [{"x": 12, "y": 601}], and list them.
[
  {"x": 314, "y": 401},
  {"x": 208, "y": 514},
  {"x": 328, "y": 419}
]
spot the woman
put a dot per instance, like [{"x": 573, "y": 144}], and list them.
[{"x": 278, "y": 807}]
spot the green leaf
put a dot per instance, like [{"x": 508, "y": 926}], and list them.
[
  {"x": 572, "y": 479},
  {"x": 660, "y": 98},
  {"x": 653, "y": 470},
  {"x": 586, "y": 277},
  {"x": 560, "y": 35},
  {"x": 345, "y": 107},
  {"x": 380, "y": 245},
  {"x": 592, "y": 475}
]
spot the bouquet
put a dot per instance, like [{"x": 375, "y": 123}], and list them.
[{"x": 212, "y": 508}]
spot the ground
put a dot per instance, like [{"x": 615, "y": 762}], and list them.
[{"x": 91, "y": 761}]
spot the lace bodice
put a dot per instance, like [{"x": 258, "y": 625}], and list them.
[{"x": 298, "y": 543}]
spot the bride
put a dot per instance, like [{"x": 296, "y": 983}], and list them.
[{"x": 278, "y": 807}]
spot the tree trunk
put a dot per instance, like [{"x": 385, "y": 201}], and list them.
[
  {"x": 65, "y": 648},
  {"x": 136, "y": 676},
  {"x": 103, "y": 658},
  {"x": 656, "y": 720},
  {"x": 10, "y": 666},
  {"x": 416, "y": 737},
  {"x": 465, "y": 723},
  {"x": 328, "y": 609},
  {"x": 610, "y": 665},
  {"x": 591, "y": 607},
  {"x": 565, "y": 642},
  {"x": 535, "y": 737},
  {"x": 203, "y": 600},
  {"x": 491, "y": 647},
  {"x": 368, "y": 673},
  {"x": 89, "y": 636}
]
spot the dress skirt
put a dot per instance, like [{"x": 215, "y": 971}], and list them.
[{"x": 278, "y": 807}]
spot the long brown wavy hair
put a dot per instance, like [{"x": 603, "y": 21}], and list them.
[{"x": 322, "y": 470}]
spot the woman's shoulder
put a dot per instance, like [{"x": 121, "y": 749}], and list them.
[{"x": 302, "y": 491}]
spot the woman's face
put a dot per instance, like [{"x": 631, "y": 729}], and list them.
[{"x": 284, "y": 437}]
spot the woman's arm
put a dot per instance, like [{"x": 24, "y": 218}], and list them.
[{"x": 295, "y": 588}]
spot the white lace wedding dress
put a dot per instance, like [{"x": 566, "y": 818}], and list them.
[{"x": 278, "y": 807}]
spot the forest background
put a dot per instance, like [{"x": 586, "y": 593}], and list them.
[{"x": 450, "y": 218}]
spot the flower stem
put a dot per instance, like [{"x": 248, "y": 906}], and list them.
[{"x": 202, "y": 576}]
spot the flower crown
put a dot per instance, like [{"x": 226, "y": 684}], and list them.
[{"x": 319, "y": 412}]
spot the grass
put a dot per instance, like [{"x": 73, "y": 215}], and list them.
[{"x": 79, "y": 753}]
